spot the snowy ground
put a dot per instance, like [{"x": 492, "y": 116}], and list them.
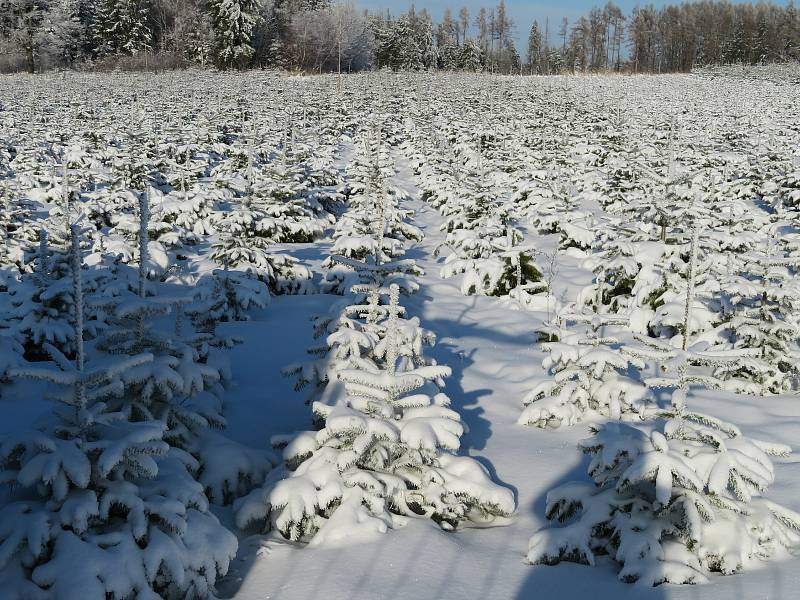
[{"x": 491, "y": 347}]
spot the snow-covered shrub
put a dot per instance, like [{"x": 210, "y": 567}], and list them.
[
  {"x": 670, "y": 502},
  {"x": 384, "y": 452},
  {"x": 227, "y": 469},
  {"x": 95, "y": 490},
  {"x": 588, "y": 374}
]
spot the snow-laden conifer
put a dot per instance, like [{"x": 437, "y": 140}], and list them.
[
  {"x": 95, "y": 490},
  {"x": 384, "y": 452},
  {"x": 587, "y": 374},
  {"x": 675, "y": 497},
  {"x": 179, "y": 387}
]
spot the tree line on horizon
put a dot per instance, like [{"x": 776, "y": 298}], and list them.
[{"x": 337, "y": 36}]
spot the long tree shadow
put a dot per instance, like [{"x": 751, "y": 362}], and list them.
[
  {"x": 466, "y": 403},
  {"x": 458, "y": 328}
]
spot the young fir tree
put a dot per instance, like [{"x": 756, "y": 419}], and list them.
[
  {"x": 183, "y": 386},
  {"x": 664, "y": 500},
  {"x": 193, "y": 210},
  {"x": 95, "y": 490},
  {"x": 764, "y": 319},
  {"x": 352, "y": 334},
  {"x": 385, "y": 451},
  {"x": 374, "y": 224},
  {"x": 482, "y": 242},
  {"x": 372, "y": 235},
  {"x": 41, "y": 303},
  {"x": 245, "y": 235},
  {"x": 18, "y": 230},
  {"x": 280, "y": 195},
  {"x": 241, "y": 247},
  {"x": 491, "y": 262},
  {"x": 587, "y": 375},
  {"x": 180, "y": 387},
  {"x": 667, "y": 493},
  {"x": 224, "y": 295}
]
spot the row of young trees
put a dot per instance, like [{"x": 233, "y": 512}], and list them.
[
  {"x": 335, "y": 35},
  {"x": 685, "y": 309}
]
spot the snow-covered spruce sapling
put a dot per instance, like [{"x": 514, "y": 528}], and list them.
[
  {"x": 627, "y": 271},
  {"x": 344, "y": 274},
  {"x": 228, "y": 470},
  {"x": 40, "y": 305},
  {"x": 289, "y": 213},
  {"x": 354, "y": 337},
  {"x": 186, "y": 389},
  {"x": 179, "y": 387},
  {"x": 371, "y": 236},
  {"x": 60, "y": 215},
  {"x": 526, "y": 292},
  {"x": 239, "y": 248},
  {"x": 374, "y": 230},
  {"x": 194, "y": 212},
  {"x": 671, "y": 501},
  {"x": 123, "y": 241},
  {"x": 224, "y": 295},
  {"x": 587, "y": 375},
  {"x": 764, "y": 319},
  {"x": 482, "y": 244},
  {"x": 490, "y": 267},
  {"x": 18, "y": 229},
  {"x": 39, "y": 309},
  {"x": 666, "y": 288},
  {"x": 11, "y": 351},
  {"x": 676, "y": 497},
  {"x": 670, "y": 200},
  {"x": 550, "y": 330},
  {"x": 385, "y": 452},
  {"x": 677, "y": 363},
  {"x": 94, "y": 490},
  {"x": 349, "y": 334}
]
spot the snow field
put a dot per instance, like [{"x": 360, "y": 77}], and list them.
[{"x": 505, "y": 273}]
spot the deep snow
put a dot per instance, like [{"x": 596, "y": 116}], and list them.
[{"x": 491, "y": 347}]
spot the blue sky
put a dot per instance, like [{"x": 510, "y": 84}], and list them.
[{"x": 523, "y": 12}]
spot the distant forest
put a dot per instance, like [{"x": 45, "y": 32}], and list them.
[{"x": 326, "y": 36}]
